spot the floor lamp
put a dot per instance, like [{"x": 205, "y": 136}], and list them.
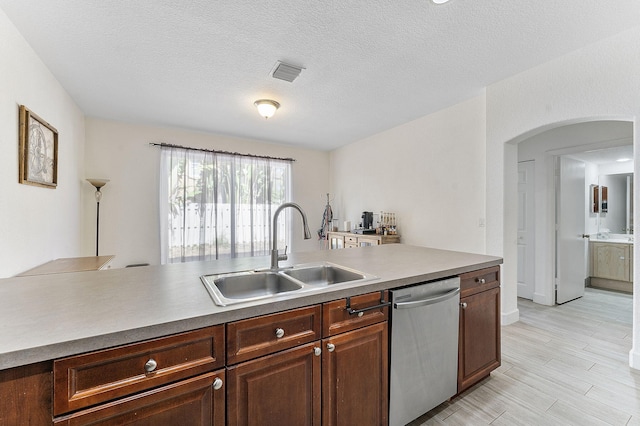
[{"x": 98, "y": 183}]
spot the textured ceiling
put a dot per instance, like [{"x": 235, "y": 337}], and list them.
[{"x": 369, "y": 65}]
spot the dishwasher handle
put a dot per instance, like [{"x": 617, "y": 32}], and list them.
[{"x": 427, "y": 301}]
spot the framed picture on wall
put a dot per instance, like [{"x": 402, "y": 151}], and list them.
[{"x": 38, "y": 142}]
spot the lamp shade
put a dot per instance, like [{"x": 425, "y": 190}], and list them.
[
  {"x": 266, "y": 107},
  {"x": 98, "y": 183}
]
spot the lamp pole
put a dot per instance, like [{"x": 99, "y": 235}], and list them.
[{"x": 98, "y": 184}]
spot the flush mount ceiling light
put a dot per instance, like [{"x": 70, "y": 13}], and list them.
[
  {"x": 439, "y": 1},
  {"x": 266, "y": 107}
]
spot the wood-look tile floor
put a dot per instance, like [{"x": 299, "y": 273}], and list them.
[{"x": 561, "y": 365}]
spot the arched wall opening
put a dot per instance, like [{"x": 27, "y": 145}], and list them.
[{"x": 542, "y": 147}]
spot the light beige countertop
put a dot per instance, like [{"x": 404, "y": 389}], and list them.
[
  {"x": 51, "y": 316},
  {"x": 70, "y": 264}
]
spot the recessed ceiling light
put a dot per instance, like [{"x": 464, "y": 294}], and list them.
[
  {"x": 439, "y": 1},
  {"x": 622, "y": 160}
]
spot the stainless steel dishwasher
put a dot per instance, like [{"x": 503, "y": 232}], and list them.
[{"x": 424, "y": 348}]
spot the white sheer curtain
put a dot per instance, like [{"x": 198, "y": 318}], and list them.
[{"x": 216, "y": 205}]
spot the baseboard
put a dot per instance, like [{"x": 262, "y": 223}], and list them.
[
  {"x": 634, "y": 359},
  {"x": 510, "y": 317},
  {"x": 623, "y": 286}
]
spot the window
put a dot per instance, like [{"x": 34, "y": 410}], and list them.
[{"x": 216, "y": 205}]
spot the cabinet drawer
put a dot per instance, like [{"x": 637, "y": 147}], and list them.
[
  {"x": 350, "y": 245},
  {"x": 350, "y": 239},
  {"x": 93, "y": 378},
  {"x": 254, "y": 337},
  {"x": 195, "y": 401},
  {"x": 336, "y": 318},
  {"x": 478, "y": 281}
]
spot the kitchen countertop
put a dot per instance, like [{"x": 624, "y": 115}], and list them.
[{"x": 51, "y": 316}]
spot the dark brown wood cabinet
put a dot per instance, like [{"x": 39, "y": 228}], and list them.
[
  {"x": 340, "y": 380},
  {"x": 196, "y": 401},
  {"x": 94, "y": 378},
  {"x": 355, "y": 367},
  {"x": 277, "y": 389},
  {"x": 355, "y": 377},
  {"x": 250, "y": 338},
  {"x": 479, "y": 333},
  {"x": 25, "y": 395}
]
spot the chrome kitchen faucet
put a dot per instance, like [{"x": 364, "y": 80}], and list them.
[{"x": 275, "y": 257}]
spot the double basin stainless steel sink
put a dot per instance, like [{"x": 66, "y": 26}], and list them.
[{"x": 237, "y": 287}]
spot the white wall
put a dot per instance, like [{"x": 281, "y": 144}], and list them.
[
  {"x": 430, "y": 172},
  {"x": 36, "y": 224},
  {"x": 129, "y": 222},
  {"x": 600, "y": 81}
]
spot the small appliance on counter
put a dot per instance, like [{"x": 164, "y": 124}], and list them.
[{"x": 367, "y": 224}]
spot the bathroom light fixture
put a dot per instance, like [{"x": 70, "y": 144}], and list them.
[
  {"x": 439, "y": 1},
  {"x": 266, "y": 107},
  {"x": 98, "y": 183}
]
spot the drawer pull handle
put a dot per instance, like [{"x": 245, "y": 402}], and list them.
[
  {"x": 360, "y": 312},
  {"x": 279, "y": 333},
  {"x": 217, "y": 383},
  {"x": 480, "y": 280},
  {"x": 151, "y": 365},
  {"x": 463, "y": 305},
  {"x": 331, "y": 347},
  {"x": 317, "y": 351}
]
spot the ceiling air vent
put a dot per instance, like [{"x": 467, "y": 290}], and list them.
[{"x": 286, "y": 72}]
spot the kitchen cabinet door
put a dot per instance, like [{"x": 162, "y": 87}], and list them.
[
  {"x": 355, "y": 375},
  {"x": 479, "y": 337},
  {"x": 278, "y": 389},
  {"x": 192, "y": 402}
]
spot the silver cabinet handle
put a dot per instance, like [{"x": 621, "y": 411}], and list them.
[
  {"x": 279, "y": 333},
  {"x": 480, "y": 280},
  {"x": 331, "y": 347},
  {"x": 428, "y": 301},
  {"x": 217, "y": 383},
  {"x": 317, "y": 351},
  {"x": 150, "y": 365},
  {"x": 463, "y": 305}
]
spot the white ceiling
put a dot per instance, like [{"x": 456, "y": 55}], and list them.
[{"x": 370, "y": 65}]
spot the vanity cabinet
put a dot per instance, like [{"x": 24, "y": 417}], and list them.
[
  {"x": 611, "y": 265},
  {"x": 479, "y": 326},
  {"x": 338, "y": 240}
]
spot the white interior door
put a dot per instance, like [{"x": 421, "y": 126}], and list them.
[
  {"x": 526, "y": 234},
  {"x": 570, "y": 246}
]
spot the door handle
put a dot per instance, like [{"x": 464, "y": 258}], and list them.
[{"x": 428, "y": 301}]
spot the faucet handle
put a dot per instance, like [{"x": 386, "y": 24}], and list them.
[{"x": 283, "y": 256}]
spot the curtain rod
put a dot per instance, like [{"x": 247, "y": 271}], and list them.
[{"x": 215, "y": 151}]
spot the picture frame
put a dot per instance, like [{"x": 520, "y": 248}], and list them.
[{"x": 38, "y": 150}]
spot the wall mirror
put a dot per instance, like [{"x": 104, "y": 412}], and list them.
[{"x": 613, "y": 198}]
